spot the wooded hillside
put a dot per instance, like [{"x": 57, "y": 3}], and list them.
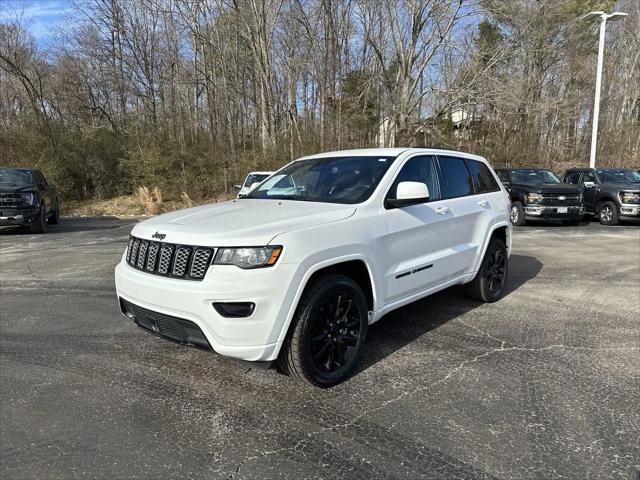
[{"x": 189, "y": 95}]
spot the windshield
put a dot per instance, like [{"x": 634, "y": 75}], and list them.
[
  {"x": 11, "y": 176},
  {"x": 611, "y": 175},
  {"x": 332, "y": 180},
  {"x": 533, "y": 176},
  {"x": 254, "y": 178}
]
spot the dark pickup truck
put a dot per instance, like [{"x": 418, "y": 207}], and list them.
[
  {"x": 27, "y": 199},
  {"x": 610, "y": 193},
  {"x": 538, "y": 193}
]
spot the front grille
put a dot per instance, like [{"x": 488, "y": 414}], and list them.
[
  {"x": 176, "y": 261},
  {"x": 561, "y": 199},
  {"x": 173, "y": 328},
  {"x": 10, "y": 200}
]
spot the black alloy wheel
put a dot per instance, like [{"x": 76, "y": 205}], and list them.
[
  {"x": 39, "y": 223},
  {"x": 334, "y": 332},
  {"x": 54, "y": 219},
  {"x": 496, "y": 270},
  {"x": 327, "y": 333},
  {"x": 488, "y": 284}
]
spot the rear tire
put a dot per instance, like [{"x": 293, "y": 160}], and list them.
[
  {"x": 54, "y": 219},
  {"x": 608, "y": 213},
  {"x": 327, "y": 332},
  {"x": 488, "y": 284},
  {"x": 39, "y": 224},
  {"x": 517, "y": 214}
]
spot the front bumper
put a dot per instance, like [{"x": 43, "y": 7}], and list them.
[
  {"x": 630, "y": 210},
  {"x": 554, "y": 211},
  {"x": 17, "y": 217},
  {"x": 252, "y": 338}
]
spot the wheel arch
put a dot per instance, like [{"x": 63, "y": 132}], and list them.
[
  {"x": 354, "y": 266},
  {"x": 605, "y": 197},
  {"x": 500, "y": 230}
]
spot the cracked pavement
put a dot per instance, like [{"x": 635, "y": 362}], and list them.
[{"x": 544, "y": 383}]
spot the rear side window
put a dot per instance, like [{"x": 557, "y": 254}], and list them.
[
  {"x": 485, "y": 181},
  {"x": 572, "y": 178},
  {"x": 455, "y": 178},
  {"x": 417, "y": 169}
]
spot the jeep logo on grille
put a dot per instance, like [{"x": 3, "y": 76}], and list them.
[
  {"x": 562, "y": 198},
  {"x": 158, "y": 235}
]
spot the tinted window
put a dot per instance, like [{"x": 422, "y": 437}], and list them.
[
  {"x": 616, "y": 175},
  {"x": 333, "y": 180},
  {"x": 588, "y": 177},
  {"x": 504, "y": 176},
  {"x": 485, "y": 181},
  {"x": 533, "y": 176},
  {"x": 255, "y": 178},
  {"x": 572, "y": 178},
  {"x": 455, "y": 179},
  {"x": 10, "y": 176},
  {"x": 417, "y": 169}
]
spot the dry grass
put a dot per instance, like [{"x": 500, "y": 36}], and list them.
[{"x": 143, "y": 202}]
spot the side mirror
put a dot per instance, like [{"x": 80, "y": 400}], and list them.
[
  {"x": 589, "y": 184},
  {"x": 237, "y": 188},
  {"x": 409, "y": 193}
]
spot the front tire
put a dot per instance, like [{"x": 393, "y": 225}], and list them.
[
  {"x": 327, "y": 333},
  {"x": 54, "y": 219},
  {"x": 488, "y": 285},
  {"x": 517, "y": 214},
  {"x": 608, "y": 213},
  {"x": 39, "y": 224}
]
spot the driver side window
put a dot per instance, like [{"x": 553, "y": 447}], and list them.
[
  {"x": 417, "y": 169},
  {"x": 588, "y": 177}
]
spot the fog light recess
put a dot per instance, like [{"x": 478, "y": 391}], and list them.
[{"x": 234, "y": 309}]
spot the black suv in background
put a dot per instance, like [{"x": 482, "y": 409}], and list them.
[
  {"x": 538, "y": 193},
  {"x": 27, "y": 199},
  {"x": 610, "y": 193}
]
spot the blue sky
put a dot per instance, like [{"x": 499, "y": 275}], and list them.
[{"x": 41, "y": 17}]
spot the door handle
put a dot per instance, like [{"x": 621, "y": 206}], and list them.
[
  {"x": 442, "y": 210},
  {"x": 483, "y": 203}
]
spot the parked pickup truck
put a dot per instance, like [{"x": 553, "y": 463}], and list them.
[
  {"x": 27, "y": 199},
  {"x": 610, "y": 193},
  {"x": 296, "y": 270},
  {"x": 252, "y": 180},
  {"x": 538, "y": 193}
]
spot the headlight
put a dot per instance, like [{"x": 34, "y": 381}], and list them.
[
  {"x": 534, "y": 197},
  {"x": 630, "y": 197},
  {"x": 27, "y": 198},
  {"x": 248, "y": 257}
]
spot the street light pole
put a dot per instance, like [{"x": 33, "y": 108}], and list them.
[{"x": 596, "y": 104}]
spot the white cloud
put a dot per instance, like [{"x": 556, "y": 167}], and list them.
[{"x": 40, "y": 17}]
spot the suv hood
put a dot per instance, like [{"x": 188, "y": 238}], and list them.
[
  {"x": 244, "y": 222},
  {"x": 548, "y": 188}
]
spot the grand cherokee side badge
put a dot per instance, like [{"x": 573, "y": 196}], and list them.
[{"x": 158, "y": 235}]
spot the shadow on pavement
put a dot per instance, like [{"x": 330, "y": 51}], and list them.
[{"x": 404, "y": 325}]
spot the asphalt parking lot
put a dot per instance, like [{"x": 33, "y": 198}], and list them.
[{"x": 542, "y": 384}]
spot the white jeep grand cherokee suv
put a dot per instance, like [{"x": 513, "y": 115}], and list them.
[{"x": 299, "y": 268}]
